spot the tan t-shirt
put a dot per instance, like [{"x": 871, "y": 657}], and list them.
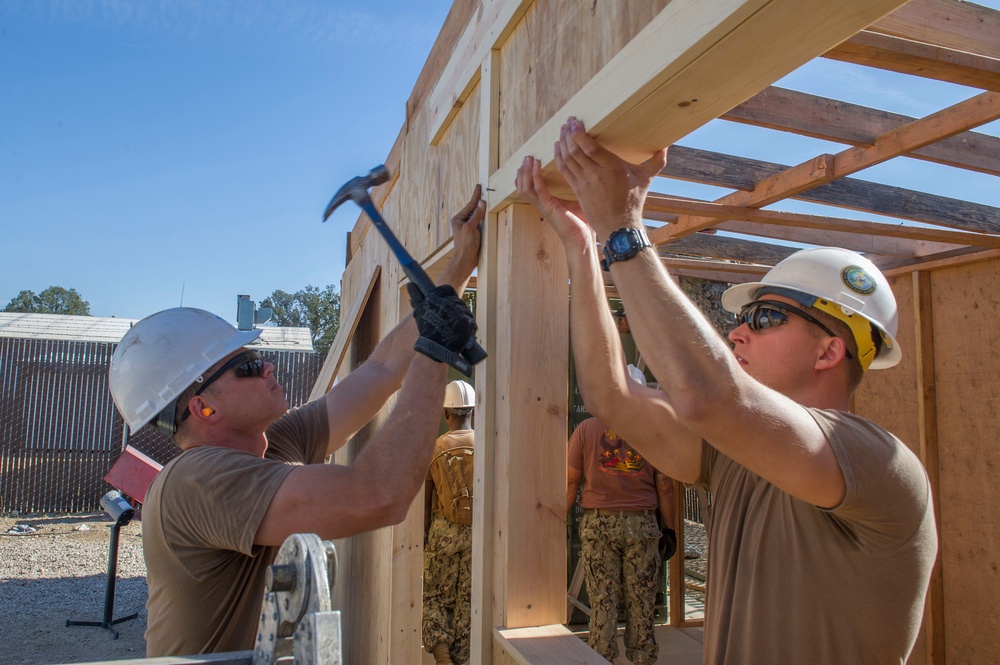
[
  {"x": 615, "y": 476},
  {"x": 205, "y": 575},
  {"x": 793, "y": 583}
]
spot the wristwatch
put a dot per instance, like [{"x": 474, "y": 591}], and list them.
[{"x": 624, "y": 244}]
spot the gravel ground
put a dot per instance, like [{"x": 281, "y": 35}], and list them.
[{"x": 59, "y": 572}]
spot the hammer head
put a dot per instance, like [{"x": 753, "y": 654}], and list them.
[{"x": 356, "y": 189}]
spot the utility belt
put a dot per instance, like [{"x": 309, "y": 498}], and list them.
[{"x": 617, "y": 513}]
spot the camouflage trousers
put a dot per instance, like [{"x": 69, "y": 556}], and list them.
[
  {"x": 448, "y": 587},
  {"x": 620, "y": 558}
]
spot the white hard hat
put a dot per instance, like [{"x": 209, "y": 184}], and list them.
[
  {"x": 842, "y": 283},
  {"x": 459, "y": 395},
  {"x": 163, "y": 354}
]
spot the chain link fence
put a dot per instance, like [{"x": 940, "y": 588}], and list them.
[{"x": 60, "y": 431}]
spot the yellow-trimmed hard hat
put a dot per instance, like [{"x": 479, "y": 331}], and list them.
[{"x": 841, "y": 283}]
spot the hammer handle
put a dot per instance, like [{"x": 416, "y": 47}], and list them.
[
  {"x": 469, "y": 356},
  {"x": 407, "y": 262}
]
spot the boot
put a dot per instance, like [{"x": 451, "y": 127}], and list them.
[{"x": 441, "y": 656}]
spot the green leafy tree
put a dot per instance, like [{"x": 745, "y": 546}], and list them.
[
  {"x": 311, "y": 307},
  {"x": 53, "y": 300}
]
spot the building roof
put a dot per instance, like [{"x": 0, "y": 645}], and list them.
[{"x": 111, "y": 329}]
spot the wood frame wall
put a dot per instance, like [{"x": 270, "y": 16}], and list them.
[{"x": 642, "y": 74}]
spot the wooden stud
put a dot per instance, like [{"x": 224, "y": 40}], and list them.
[{"x": 923, "y": 325}]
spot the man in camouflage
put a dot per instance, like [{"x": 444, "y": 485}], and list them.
[
  {"x": 448, "y": 550},
  {"x": 619, "y": 535}
]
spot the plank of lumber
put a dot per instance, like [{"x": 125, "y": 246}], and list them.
[
  {"x": 677, "y": 73},
  {"x": 712, "y": 168},
  {"x": 955, "y": 24},
  {"x": 842, "y": 122},
  {"x": 716, "y": 210},
  {"x": 955, "y": 119},
  {"x": 715, "y": 246},
  {"x": 917, "y": 59},
  {"x": 348, "y": 324},
  {"x": 936, "y": 263},
  {"x": 923, "y": 326},
  {"x": 546, "y": 645},
  {"x": 866, "y": 244}
]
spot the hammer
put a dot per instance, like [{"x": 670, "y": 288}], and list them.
[{"x": 356, "y": 189}]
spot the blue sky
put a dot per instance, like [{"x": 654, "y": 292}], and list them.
[
  {"x": 150, "y": 149},
  {"x": 154, "y": 150}
]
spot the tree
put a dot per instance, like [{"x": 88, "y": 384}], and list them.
[
  {"x": 311, "y": 307},
  {"x": 53, "y": 300}
]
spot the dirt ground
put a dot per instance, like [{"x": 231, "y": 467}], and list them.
[{"x": 59, "y": 573}]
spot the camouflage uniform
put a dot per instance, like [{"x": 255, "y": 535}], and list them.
[
  {"x": 616, "y": 548},
  {"x": 448, "y": 587}
]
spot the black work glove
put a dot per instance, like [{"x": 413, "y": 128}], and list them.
[
  {"x": 667, "y": 544},
  {"x": 445, "y": 323}
]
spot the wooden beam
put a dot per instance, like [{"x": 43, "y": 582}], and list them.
[
  {"x": 723, "y": 170},
  {"x": 529, "y": 508},
  {"x": 955, "y": 24},
  {"x": 842, "y": 122},
  {"x": 941, "y": 262},
  {"x": 716, "y": 246},
  {"x": 923, "y": 326},
  {"x": 736, "y": 272},
  {"x": 718, "y": 211},
  {"x": 676, "y": 74},
  {"x": 952, "y": 120},
  {"x": 859, "y": 242},
  {"x": 342, "y": 341},
  {"x": 955, "y": 119},
  {"x": 909, "y": 57},
  {"x": 487, "y": 594}
]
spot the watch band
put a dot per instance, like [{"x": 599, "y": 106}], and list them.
[{"x": 624, "y": 244}]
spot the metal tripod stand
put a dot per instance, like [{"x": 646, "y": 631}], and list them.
[{"x": 121, "y": 512}]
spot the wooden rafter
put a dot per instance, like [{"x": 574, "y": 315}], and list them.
[
  {"x": 842, "y": 122},
  {"x": 721, "y": 170},
  {"x": 956, "y": 24},
  {"x": 918, "y": 59},
  {"x": 720, "y": 211},
  {"x": 825, "y": 168}
]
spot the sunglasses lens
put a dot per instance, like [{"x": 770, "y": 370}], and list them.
[
  {"x": 759, "y": 316},
  {"x": 253, "y": 366}
]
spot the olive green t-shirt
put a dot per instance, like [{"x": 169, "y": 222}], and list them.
[
  {"x": 792, "y": 583},
  {"x": 205, "y": 575}
]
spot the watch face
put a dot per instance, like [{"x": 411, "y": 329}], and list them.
[{"x": 620, "y": 243}]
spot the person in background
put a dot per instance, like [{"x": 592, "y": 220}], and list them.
[
  {"x": 448, "y": 524},
  {"x": 619, "y": 534}
]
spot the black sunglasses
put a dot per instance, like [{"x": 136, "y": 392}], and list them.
[
  {"x": 762, "y": 314},
  {"x": 246, "y": 365}
]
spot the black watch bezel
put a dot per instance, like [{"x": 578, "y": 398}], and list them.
[{"x": 636, "y": 240}]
